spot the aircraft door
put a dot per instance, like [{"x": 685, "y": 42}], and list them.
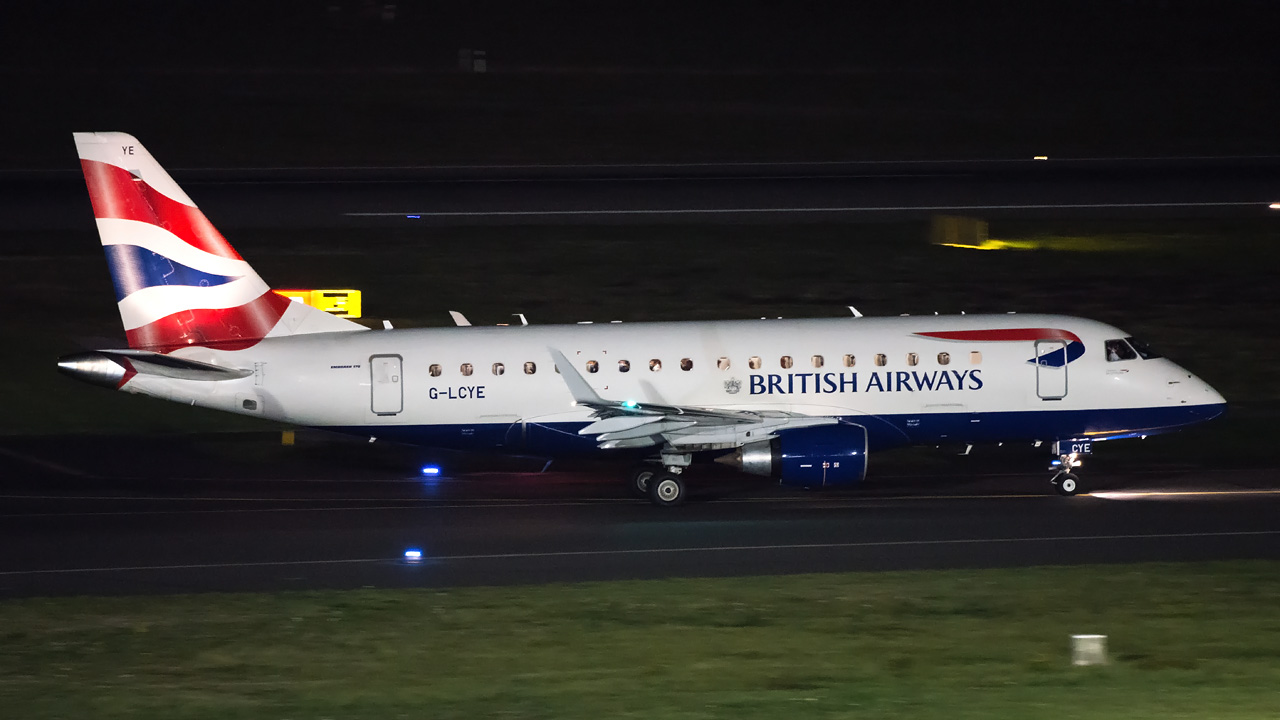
[
  {"x": 387, "y": 384},
  {"x": 1051, "y": 369}
]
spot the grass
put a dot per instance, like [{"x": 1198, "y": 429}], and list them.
[{"x": 1187, "y": 641}]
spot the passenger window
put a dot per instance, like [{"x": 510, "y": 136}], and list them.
[
  {"x": 881, "y": 360},
  {"x": 944, "y": 358},
  {"x": 722, "y": 363},
  {"x": 785, "y": 362},
  {"x": 499, "y": 368},
  {"x": 530, "y": 368},
  {"x": 624, "y": 366},
  {"x": 435, "y": 370},
  {"x": 913, "y": 359},
  {"x": 850, "y": 361},
  {"x": 816, "y": 360},
  {"x": 593, "y": 366},
  {"x": 467, "y": 369},
  {"x": 754, "y": 362},
  {"x": 655, "y": 365},
  {"x": 686, "y": 364},
  {"x": 1118, "y": 350},
  {"x": 975, "y": 357}
]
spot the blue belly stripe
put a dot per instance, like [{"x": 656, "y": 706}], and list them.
[{"x": 884, "y": 431}]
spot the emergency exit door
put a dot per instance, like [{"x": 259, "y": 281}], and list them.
[
  {"x": 1051, "y": 369},
  {"x": 387, "y": 384}
]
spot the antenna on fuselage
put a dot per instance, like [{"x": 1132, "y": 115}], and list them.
[
  {"x": 854, "y": 310},
  {"x": 459, "y": 319},
  {"x": 523, "y": 321}
]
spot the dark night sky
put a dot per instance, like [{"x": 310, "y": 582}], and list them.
[
  {"x": 709, "y": 35},
  {"x": 632, "y": 81}
]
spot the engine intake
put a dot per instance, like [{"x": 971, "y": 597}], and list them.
[{"x": 813, "y": 457}]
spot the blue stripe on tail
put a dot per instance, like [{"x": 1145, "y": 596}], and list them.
[{"x": 134, "y": 268}]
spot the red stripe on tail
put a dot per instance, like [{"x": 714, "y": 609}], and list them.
[
  {"x": 116, "y": 193},
  {"x": 234, "y": 328}
]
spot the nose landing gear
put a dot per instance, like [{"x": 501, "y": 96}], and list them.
[{"x": 1064, "y": 481}]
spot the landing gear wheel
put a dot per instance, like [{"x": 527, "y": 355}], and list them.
[
  {"x": 666, "y": 489},
  {"x": 639, "y": 477},
  {"x": 1067, "y": 484}
]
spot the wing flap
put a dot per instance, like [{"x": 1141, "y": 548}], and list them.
[
  {"x": 618, "y": 423},
  {"x": 662, "y": 427}
]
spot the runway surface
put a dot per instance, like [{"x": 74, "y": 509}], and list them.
[
  {"x": 751, "y": 193},
  {"x": 78, "y": 534}
]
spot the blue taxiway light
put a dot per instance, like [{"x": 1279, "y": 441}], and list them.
[
  {"x": 430, "y": 470},
  {"x": 414, "y": 217},
  {"x": 412, "y": 555}
]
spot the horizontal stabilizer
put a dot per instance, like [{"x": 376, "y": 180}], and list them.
[{"x": 113, "y": 368}]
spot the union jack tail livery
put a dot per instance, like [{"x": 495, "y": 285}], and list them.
[{"x": 178, "y": 282}]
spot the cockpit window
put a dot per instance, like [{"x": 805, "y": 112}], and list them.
[
  {"x": 1118, "y": 350},
  {"x": 1143, "y": 348}
]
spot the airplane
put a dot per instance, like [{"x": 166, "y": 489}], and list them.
[{"x": 802, "y": 402}]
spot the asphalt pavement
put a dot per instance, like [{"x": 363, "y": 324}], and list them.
[{"x": 284, "y": 528}]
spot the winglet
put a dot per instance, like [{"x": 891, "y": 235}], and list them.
[
  {"x": 578, "y": 387},
  {"x": 459, "y": 319}
]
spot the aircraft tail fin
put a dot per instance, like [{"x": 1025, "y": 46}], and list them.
[{"x": 178, "y": 281}]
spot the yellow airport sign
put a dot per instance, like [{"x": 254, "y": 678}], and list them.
[{"x": 343, "y": 303}]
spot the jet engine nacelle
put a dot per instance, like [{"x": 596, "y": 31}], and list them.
[{"x": 813, "y": 457}]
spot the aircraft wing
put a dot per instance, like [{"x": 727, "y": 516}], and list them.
[{"x": 627, "y": 423}]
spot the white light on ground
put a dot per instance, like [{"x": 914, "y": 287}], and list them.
[
  {"x": 1144, "y": 494},
  {"x": 1274, "y": 206},
  {"x": 1088, "y": 649}
]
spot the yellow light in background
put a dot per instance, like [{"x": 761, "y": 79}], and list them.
[
  {"x": 992, "y": 244},
  {"x": 343, "y": 303},
  {"x": 1040, "y": 157},
  {"x": 1274, "y": 206}
]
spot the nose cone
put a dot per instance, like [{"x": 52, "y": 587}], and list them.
[
  {"x": 93, "y": 368},
  {"x": 1205, "y": 402}
]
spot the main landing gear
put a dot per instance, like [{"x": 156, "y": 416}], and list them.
[
  {"x": 660, "y": 480},
  {"x": 1064, "y": 481},
  {"x": 638, "y": 479}
]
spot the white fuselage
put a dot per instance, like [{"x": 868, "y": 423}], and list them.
[{"x": 413, "y": 385}]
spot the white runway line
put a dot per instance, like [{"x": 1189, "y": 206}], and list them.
[
  {"x": 428, "y": 558},
  {"x": 313, "y": 504},
  {"x": 836, "y": 209}
]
